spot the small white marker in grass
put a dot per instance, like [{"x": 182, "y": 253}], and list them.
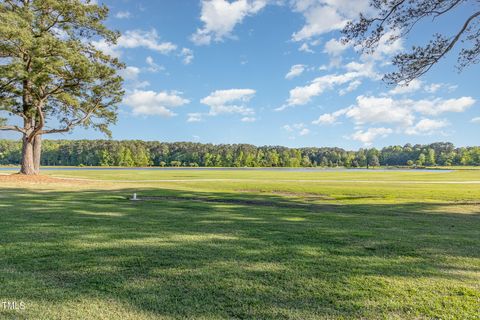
[{"x": 134, "y": 198}]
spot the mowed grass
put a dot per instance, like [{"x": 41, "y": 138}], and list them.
[{"x": 242, "y": 244}]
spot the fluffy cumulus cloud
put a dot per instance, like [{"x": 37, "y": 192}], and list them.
[
  {"x": 334, "y": 47},
  {"x": 305, "y": 47},
  {"x": 229, "y": 101},
  {"x": 402, "y": 114},
  {"x": 131, "y": 76},
  {"x": 302, "y": 95},
  {"x": 438, "y": 106},
  {"x": 152, "y": 65},
  {"x": 388, "y": 45},
  {"x": 352, "y": 86},
  {"x": 427, "y": 127},
  {"x": 154, "y": 103},
  {"x": 130, "y": 73},
  {"x": 219, "y": 18},
  {"x": 374, "y": 110},
  {"x": 295, "y": 71},
  {"x": 330, "y": 118},
  {"x": 323, "y": 16},
  {"x": 187, "y": 55},
  {"x": 248, "y": 119},
  {"x": 145, "y": 39},
  {"x": 369, "y": 135},
  {"x": 299, "y": 129},
  {"x": 195, "y": 117},
  {"x": 132, "y": 39},
  {"x": 413, "y": 86},
  {"x": 434, "y": 87}
]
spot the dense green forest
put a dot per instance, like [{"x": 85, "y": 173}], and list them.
[{"x": 142, "y": 154}]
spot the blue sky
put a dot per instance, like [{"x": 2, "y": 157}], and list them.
[{"x": 270, "y": 72}]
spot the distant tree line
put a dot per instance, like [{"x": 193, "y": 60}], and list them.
[{"x": 189, "y": 154}]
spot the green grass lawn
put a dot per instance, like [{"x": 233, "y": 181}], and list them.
[{"x": 242, "y": 244}]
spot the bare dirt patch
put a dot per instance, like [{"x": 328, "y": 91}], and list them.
[{"x": 37, "y": 179}]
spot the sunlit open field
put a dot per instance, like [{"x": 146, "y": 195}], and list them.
[{"x": 241, "y": 244}]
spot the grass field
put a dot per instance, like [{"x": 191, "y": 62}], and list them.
[{"x": 241, "y": 244}]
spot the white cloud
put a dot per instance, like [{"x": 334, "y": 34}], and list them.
[
  {"x": 438, "y": 106},
  {"x": 352, "y": 86},
  {"x": 107, "y": 48},
  {"x": 371, "y": 109},
  {"x": 413, "y": 86},
  {"x": 380, "y": 110},
  {"x": 130, "y": 75},
  {"x": 154, "y": 103},
  {"x": 229, "y": 101},
  {"x": 402, "y": 113},
  {"x": 366, "y": 69},
  {"x": 432, "y": 88},
  {"x": 145, "y": 39},
  {"x": 335, "y": 47},
  {"x": 295, "y": 71},
  {"x": 136, "y": 39},
  {"x": 303, "y": 94},
  {"x": 248, "y": 119},
  {"x": 387, "y": 46},
  {"x": 326, "y": 118},
  {"x": 426, "y": 127},
  {"x": 304, "y": 132},
  {"x": 330, "y": 118},
  {"x": 123, "y": 15},
  {"x": 187, "y": 55},
  {"x": 220, "y": 17},
  {"x": 323, "y": 16},
  {"x": 475, "y": 120},
  {"x": 305, "y": 48},
  {"x": 368, "y": 136},
  {"x": 297, "y": 128},
  {"x": 195, "y": 117},
  {"x": 152, "y": 66},
  {"x": 319, "y": 20}
]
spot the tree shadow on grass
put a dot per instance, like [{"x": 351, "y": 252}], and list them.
[{"x": 239, "y": 256}]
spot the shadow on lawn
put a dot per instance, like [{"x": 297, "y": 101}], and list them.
[{"x": 234, "y": 256}]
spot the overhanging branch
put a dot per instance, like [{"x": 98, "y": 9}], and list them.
[
  {"x": 12, "y": 128},
  {"x": 71, "y": 124}
]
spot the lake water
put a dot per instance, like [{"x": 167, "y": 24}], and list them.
[{"x": 232, "y": 169}]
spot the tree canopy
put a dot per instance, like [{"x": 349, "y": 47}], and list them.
[
  {"x": 136, "y": 153},
  {"x": 52, "y": 78}
]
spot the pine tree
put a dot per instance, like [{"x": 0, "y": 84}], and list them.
[{"x": 51, "y": 70}]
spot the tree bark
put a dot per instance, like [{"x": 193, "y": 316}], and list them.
[
  {"x": 37, "y": 152},
  {"x": 28, "y": 164}
]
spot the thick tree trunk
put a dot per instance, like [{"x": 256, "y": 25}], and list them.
[
  {"x": 27, "y": 165},
  {"x": 30, "y": 156},
  {"x": 37, "y": 152}
]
